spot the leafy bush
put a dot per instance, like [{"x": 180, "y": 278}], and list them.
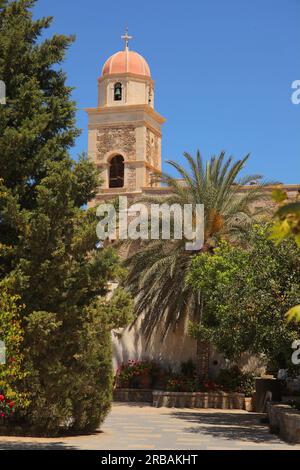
[
  {"x": 233, "y": 380},
  {"x": 71, "y": 385},
  {"x": 209, "y": 386},
  {"x": 128, "y": 373},
  {"x": 6, "y": 407},
  {"x": 185, "y": 381},
  {"x": 188, "y": 368},
  {"x": 181, "y": 383},
  {"x": 287, "y": 226},
  {"x": 246, "y": 293},
  {"x": 11, "y": 333}
]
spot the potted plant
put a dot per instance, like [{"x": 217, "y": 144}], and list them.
[
  {"x": 137, "y": 374},
  {"x": 234, "y": 380},
  {"x": 248, "y": 388},
  {"x": 143, "y": 370}
]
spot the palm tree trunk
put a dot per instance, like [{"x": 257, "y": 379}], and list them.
[
  {"x": 203, "y": 356},
  {"x": 203, "y": 346}
]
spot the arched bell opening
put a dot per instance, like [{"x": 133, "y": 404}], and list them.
[
  {"x": 116, "y": 172},
  {"x": 118, "y": 92}
]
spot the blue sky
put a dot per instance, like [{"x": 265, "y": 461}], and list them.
[{"x": 223, "y": 71}]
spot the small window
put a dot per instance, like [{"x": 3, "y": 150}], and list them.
[{"x": 118, "y": 92}]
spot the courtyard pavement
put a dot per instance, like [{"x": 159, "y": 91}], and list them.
[{"x": 138, "y": 426}]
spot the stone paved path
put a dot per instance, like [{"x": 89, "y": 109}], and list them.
[{"x": 138, "y": 426}]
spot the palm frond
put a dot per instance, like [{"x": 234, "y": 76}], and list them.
[{"x": 157, "y": 270}]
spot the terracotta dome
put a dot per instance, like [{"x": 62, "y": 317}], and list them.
[{"x": 126, "y": 62}]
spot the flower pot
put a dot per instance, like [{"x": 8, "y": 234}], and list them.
[{"x": 249, "y": 404}]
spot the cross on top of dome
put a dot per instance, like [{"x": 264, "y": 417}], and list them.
[
  {"x": 126, "y": 38},
  {"x": 126, "y": 61}
]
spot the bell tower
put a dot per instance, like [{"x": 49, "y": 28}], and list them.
[{"x": 125, "y": 130}]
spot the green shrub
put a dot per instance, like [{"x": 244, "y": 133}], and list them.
[
  {"x": 246, "y": 292},
  {"x": 70, "y": 367},
  {"x": 181, "y": 383},
  {"x": 128, "y": 373},
  {"x": 12, "y": 334},
  {"x": 188, "y": 368},
  {"x": 234, "y": 380}
]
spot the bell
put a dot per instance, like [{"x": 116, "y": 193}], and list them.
[{"x": 118, "y": 92}]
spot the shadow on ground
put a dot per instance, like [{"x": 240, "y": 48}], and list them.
[
  {"x": 17, "y": 445},
  {"x": 132, "y": 404},
  {"x": 229, "y": 426}
]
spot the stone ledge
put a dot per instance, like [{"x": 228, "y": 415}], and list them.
[
  {"x": 133, "y": 395},
  {"x": 159, "y": 398},
  {"x": 217, "y": 400},
  {"x": 285, "y": 421}
]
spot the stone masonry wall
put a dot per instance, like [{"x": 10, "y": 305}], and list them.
[
  {"x": 152, "y": 149},
  {"x": 121, "y": 139},
  {"x": 130, "y": 178}
]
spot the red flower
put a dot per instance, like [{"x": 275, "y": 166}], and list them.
[
  {"x": 11, "y": 404},
  {"x": 2, "y": 397},
  {"x": 2, "y": 415}
]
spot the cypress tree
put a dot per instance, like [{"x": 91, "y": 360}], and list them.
[{"x": 47, "y": 241}]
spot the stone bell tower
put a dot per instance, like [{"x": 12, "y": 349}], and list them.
[{"x": 125, "y": 130}]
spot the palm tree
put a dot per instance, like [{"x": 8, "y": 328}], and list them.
[{"x": 158, "y": 268}]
